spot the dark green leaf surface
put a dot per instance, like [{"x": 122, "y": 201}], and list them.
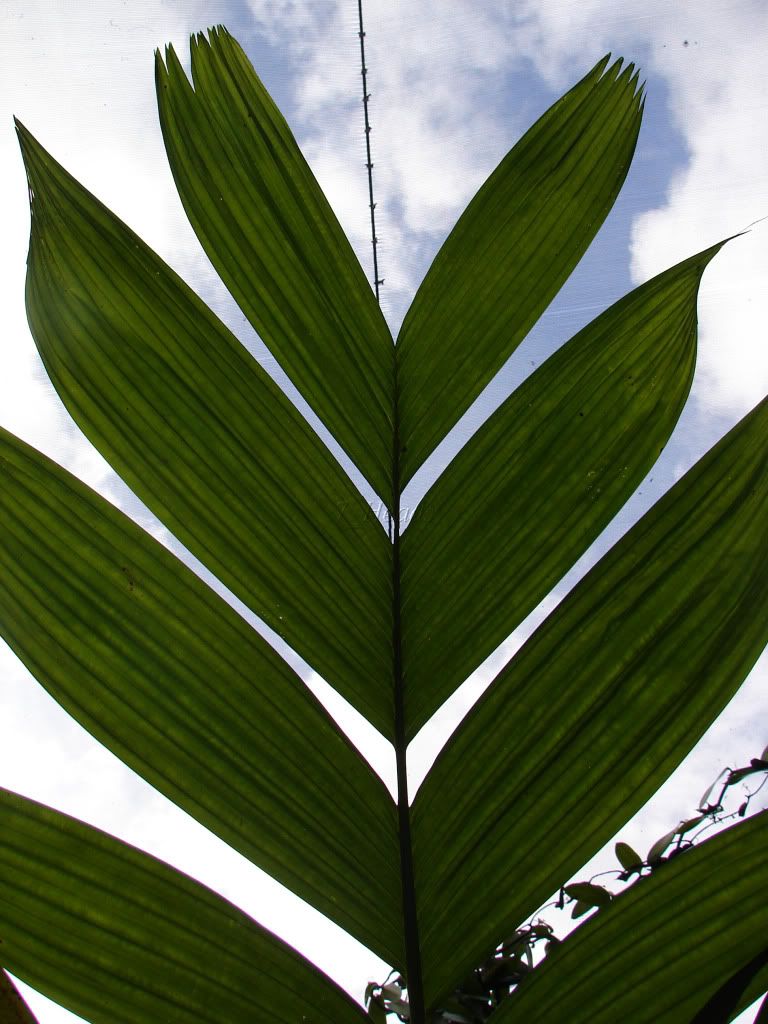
[
  {"x": 754, "y": 991},
  {"x": 160, "y": 669},
  {"x": 662, "y": 947},
  {"x": 13, "y": 1008},
  {"x": 199, "y": 431},
  {"x": 540, "y": 480},
  {"x": 597, "y": 708},
  {"x": 510, "y": 253},
  {"x": 269, "y": 231},
  {"x": 120, "y": 938},
  {"x": 722, "y": 1004}
]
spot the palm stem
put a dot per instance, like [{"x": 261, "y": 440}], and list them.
[{"x": 410, "y": 919}]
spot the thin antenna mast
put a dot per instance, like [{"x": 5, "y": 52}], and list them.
[
  {"x": 377, "y": 281},
  {"x": 414, "y": 983}
]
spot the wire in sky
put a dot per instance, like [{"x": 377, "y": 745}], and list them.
[{"x": 377, "y": 281}]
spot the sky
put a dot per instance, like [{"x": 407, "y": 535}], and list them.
[{"x": 453, "y": 85}]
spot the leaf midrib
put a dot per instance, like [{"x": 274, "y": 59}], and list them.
[{"x": 407, "y": 881}]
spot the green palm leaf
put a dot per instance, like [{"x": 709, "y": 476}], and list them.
[
  {"x": 722, "y": 1006},
  {"x": 121, "y": 938},
  {"x": 583, "y": 725},
  {"x": 598, "y": 708},
  {"x": 205, "y": 438},
  {"x": 159, "y": 668},
  {"x": 271, "y": 234},
  {"x": 482, "y": 550},
  {"x": 705, "y": 908},
  {"x": 509, "y": 254}
]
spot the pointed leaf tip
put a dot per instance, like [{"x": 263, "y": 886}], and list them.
[
  {"x": 602, "y": 64},
  {"x": 509, "y": 253},
  {"x": 536, "y": 477},
  {"x": 269, "y": 231},
  {"x": 92, "y": 288}
]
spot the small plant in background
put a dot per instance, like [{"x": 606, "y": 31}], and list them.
[
  {"x": 575, "y": 733},
  {"x": 587, "y": 895},
  {"x": 512, "y": 961}
]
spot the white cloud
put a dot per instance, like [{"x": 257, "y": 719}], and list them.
[
  {"x": 432, "y": 69},
  {"x": 433, "y": 74},
  {"x": 720, "y": 102},
  {"x": 85, "y": 88},
  {"x": 711, "y": 60}
]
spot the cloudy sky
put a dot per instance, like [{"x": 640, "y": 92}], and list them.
[{"x": 454, "y": 83}]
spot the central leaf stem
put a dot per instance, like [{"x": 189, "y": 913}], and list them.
[{"x": 410, "y": 919}]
